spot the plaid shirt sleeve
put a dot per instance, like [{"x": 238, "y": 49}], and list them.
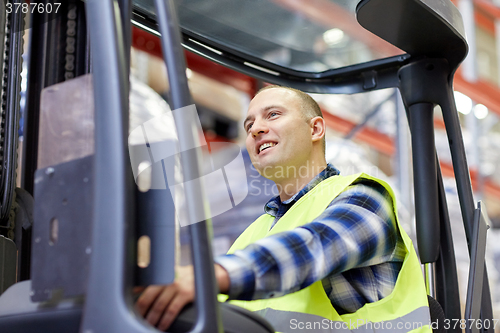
[{"x": 358, "y": 229}]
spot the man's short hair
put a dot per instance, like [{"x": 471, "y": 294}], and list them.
[{"x": 309, "y": 106}]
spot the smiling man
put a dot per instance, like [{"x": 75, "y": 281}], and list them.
[{"x": 328, "y": 248}]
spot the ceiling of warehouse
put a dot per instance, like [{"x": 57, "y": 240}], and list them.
[{"x": 314, "y": 36}]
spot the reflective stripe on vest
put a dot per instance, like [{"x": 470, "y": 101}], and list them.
[
  {"x": 286, "y": 321},
  {"x": 407, "y": 302}
]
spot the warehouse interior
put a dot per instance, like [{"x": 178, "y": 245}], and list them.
[{"x": 366, "y": 132}]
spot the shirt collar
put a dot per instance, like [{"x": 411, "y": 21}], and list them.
[{"x": 273, "y": 205}]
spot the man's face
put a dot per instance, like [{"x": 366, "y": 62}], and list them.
[{"x": 278, "y": 135}]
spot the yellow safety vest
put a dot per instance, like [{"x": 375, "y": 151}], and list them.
[{"x": 309, "y": 310}]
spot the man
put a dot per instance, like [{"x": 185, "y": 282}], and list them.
[{"x": 326, "y": 246}]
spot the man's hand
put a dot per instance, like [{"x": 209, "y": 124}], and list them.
[{"x": 160, "y": 305}]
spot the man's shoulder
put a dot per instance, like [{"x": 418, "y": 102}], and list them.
[{"x": 366, "y": 189}]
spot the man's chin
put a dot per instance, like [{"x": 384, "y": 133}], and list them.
[{"x": 269, "y": 170}]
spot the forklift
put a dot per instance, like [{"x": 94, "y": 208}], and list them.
[{"x": 68, "y": 234}]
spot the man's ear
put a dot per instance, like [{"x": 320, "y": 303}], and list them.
[{"x": 318, "y": 128}]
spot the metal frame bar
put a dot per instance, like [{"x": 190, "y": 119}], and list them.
[
  {"x": 112, "y": 265},
  {"x": 446, "y": 263},
  {"x": 425, "y": 180},
  {"x": 12, "y": 106},
  {"x": 208, "y": 314},
  {"x": 38, "y": 46},
  {"x": 464, "y": 187},
  {"x": 477, "y": 263}
]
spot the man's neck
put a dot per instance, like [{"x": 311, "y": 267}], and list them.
[{"x": 288, "y": 187}]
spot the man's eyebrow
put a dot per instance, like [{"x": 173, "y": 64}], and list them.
[{"x": 267, "y": 108}]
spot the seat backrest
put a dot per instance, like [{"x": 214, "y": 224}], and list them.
[{"x": 437, "y": 315}]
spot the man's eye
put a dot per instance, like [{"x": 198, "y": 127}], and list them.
[
  {"x": 249, "y": 126},
  {"x": 272, "y": 114}
]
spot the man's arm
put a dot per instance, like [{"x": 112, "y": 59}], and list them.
[
  {"x": 357, "y": 229},
  {"x": 160, "y": 305}
]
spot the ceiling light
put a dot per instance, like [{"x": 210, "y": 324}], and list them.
[
  {"x": 463, "y": 102},
  {"x": 333, "y": 36},
  {"x": 480, "y": 111}
]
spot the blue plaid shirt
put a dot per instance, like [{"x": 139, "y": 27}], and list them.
[{"x": 354, "y": 248}]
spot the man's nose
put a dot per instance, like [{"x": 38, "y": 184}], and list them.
[{"x": 258, "y": 127}]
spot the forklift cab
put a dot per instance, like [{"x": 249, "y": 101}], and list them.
[{"x": 69, "y": 257}]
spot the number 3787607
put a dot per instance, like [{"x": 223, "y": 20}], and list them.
[
  {"x": 33, "y": 7},
  {"x": 470, "y": 323}
]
